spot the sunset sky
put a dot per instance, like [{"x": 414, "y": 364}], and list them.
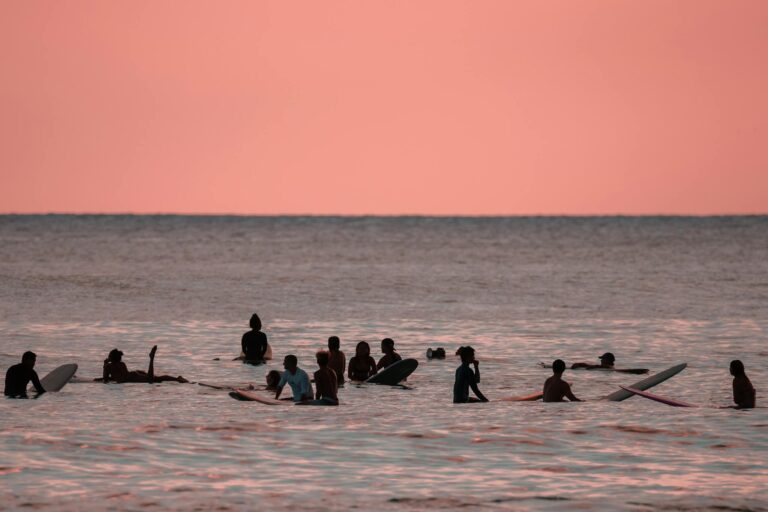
[{"x": 386, "y": 107}]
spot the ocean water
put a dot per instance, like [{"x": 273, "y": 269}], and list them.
[{"x": 655, "y": 291}]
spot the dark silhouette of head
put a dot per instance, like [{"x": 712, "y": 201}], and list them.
[
  {"x": 737, "y": 368},
  {"x": 334, "y": 343},
  {"x": 255, "y": 322},
  {"x": 29, "y": 359},
  {"x": 115, "y": 356},
  {"x": 607, "y": 359},
  {"x": 322, "y": 358},
  {"x": 363, "y": 349},
  {"x": 558, "y": 366},
  {"x": 290, "y": 362},
  {"x": 387, "y": 345},
  {"x": 273, "y": 378},
  {"x": 467, "y": 354}
]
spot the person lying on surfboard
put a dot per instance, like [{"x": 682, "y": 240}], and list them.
[
  {"x": 254, "y": 342},
  {"x": 466, "y": 378},
  {"x": 325, "y": 382},
  {"x": 606, "y": 361},
  {"x": 18, "y": 377},
  {"x": 362, "y": 365},
  {"x": 297, "y": 379},
  {"x": 555, "y": 388},
  {"x": 743, "y": 391},
  {"x": 115, "y": 370},
  {"x": 390, "y": 356},
  {"x": 337, "y": 360}
]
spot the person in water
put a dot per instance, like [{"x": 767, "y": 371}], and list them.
[
  {"x": 297, "y": 379},
  {"x": 466, "y": 378},
  {"x": 325, "y": 381},
  {"x": 273, "y": 379},
  {"x": 743, "y": 391},
  {"x": 254, "y": 343},
  {"x": 555, "y": 388},
  {"x": 390, "y": 356},
  {"x": 115, "y": 370},
  {"x": 18, "y": 377},
  {"x": 606, "y": 361},
  {"x": 362, "y": 366},
  {"x": 337, "y": 360}
]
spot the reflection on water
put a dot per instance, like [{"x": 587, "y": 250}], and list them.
[{"x": 137, "y": 446}]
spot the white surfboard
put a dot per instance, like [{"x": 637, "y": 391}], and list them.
[
  {"x": 647, "y": 383},
  {"x": 59, "y": 377}
]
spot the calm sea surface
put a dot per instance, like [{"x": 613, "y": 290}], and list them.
[{"x": 655, "y": 291}]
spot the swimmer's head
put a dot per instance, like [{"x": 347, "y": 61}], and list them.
[{"x": 558, "y": 366}]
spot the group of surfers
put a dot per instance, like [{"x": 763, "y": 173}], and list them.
[{"x": 332, "y": 366}]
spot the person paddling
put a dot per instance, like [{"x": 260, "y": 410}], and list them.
[
  {"x": 325, "y": 382},
  {"x": 466, "y": 379},
  {"x": 297, "y": 379},
  {"x": 254, "y": 342},
  {"x": 607, "y": 361},
  {"x": 18, "y": 377},
  {"x": 390, "y": 356},
  {"x": 115, "y": 370},
  {"x": 743, "y": 392},
  {"x": 361, "y": 366},
  {"x": 337, "y": 360},
  {"x": 555, "y": 388}
]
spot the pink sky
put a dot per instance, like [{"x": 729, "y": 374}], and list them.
[{"x": 386, "y": 107}]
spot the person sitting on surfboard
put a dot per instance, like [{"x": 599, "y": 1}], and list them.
[
  {"x": 337, "y": 360},
  {"x": 115, "y": 370},
  {"x": 743, "y": 391},
  {"x": 390, "y": 356},
  {"x": 18, "y": 377},
  {"x": 362, "y": 365},
  {"x": 325, "y": 381},
  {"x": 254, "y": 342},
  {"x": 555, "y": 388},
  {"x": 273, "y": 379},
  {"x": 466, "y": 378},
  {"x": 297, "y": 379}
]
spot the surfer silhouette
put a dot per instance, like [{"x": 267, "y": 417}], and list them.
[
  {"x": 555, "y": 388},
  {"x": 606, "y": 361},
  {"x": 325, "y": 382},
  {"x": 337, "y": 360},
  {"x": 18, "y": 377},
  {"x": 115, "y": 370},
  {"x": 254, "y": 343},
  {"x": 390, "y": 356},
  {"x": 361, "y": 365},
  {"x": 743, "y": 391},
  {"x": 466, "y": 378},
  {"x": 297, "y": 379},
  {"x": 273, "y": 379}
]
